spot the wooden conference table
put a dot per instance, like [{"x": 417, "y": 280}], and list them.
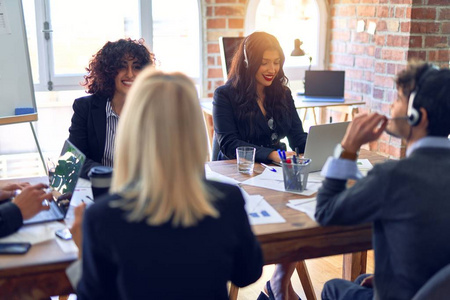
[{"x": 41, "y": 272}]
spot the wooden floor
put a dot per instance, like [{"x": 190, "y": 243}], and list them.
[{"x": 320, "y": 270}]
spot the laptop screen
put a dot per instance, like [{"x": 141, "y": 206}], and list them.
[
  {"x": 321, "y": 142},
  {"x": 65, "y": 175},
  {"x": 325, "y": 83}
]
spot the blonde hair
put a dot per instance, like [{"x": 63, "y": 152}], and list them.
[{"x": 160, "y": 152}]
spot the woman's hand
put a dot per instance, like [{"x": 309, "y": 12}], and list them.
[
  {"x": 273, "y": 156},
  {"x": 30, "y": 200},
  {"x": 9, "y": 190}
]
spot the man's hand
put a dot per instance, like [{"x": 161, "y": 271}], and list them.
[
  {"x": 363, "y": 129},
  {"x": 9, "y": 190},
  {"x": 368, "y": 281},
  {"x": 76, "y": 230},
  {"x": 30, "y": 200}
]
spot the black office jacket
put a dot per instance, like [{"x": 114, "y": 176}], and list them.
[
  {"x": 88, "y": 129},
  {"x": 10, "y": 218},
  {"x": 230, "y": 136}
]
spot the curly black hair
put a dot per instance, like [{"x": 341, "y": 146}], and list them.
[{"x": 105, "y": 64}]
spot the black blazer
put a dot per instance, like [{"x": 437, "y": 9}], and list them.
[
  {"x": 88, "y": 129},
  {"x": 230, "y": 135},
  {"x": 135, "y": 260},
  {"x": 10, "y": 218}
]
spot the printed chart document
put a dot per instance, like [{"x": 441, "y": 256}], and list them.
[
  {"x": 274, "y": 181},
  {"x": 308, "y": 206},
  {"x": 259, "y": 211}
]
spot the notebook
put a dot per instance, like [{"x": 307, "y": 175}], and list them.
[
  {"x": 62, "y": 184},
  {"x": 321, "y": 141},
  {"x": 324, "y": 86}
]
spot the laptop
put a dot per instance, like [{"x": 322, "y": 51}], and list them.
[
  {"x": 321, "y": 141},
  {"x": 324, "y": 86},
  {"x": 62, "y": 183}
]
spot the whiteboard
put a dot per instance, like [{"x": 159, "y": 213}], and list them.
[{"x": 16, "y": 83}]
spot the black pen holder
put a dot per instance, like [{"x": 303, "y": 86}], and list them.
[{"x": 295, "y": 176}]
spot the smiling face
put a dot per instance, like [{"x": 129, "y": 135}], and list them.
[
  {"x": 269, "y": 68},
  {"x": 128, "y": 71}
]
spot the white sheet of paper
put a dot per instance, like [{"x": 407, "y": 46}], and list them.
[
  {"x": 211, "y": 175},
  {"x": 259, "y": 211},
  {"x": 34, "y": 234},
  {"x": 4, "y": 22},
  {"x": 308, "y": 206},
  {"x": 274, "y": 181},
  {"x": 364, "y": 166}
]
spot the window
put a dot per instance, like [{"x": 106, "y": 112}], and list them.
[
  {"x": 289, "y": 20},
  {"x": 63, "y": 35}
]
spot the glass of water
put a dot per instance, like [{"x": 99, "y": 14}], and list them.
[{"x": 245, "y": 159}]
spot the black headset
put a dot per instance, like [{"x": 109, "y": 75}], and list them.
[
  {"x": 414, "y": 115},
  {"x": 245, "y": 54}
]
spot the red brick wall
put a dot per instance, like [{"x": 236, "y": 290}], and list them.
[
  {"x": 223, "y": 18},
  {"x": 404, "y": 29}
]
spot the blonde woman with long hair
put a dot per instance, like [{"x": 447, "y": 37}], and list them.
[{"x": 165, "y": 232}]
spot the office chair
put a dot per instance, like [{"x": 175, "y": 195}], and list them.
[{"x": 215, "y": 148}]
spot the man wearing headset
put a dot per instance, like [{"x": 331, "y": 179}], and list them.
[{"x": 407, "y": 200}]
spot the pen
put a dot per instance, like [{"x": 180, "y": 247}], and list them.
[
  {"x": 280, "y": 155},
  {"x": 294, "y": 159},
  {"x": 268, "y": 168}
]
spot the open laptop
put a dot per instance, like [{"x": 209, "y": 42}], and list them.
[
  {"x": 62, "y": 184},
  {"x": 324, "y": 86},
  {"x": 321, "y": 141}
]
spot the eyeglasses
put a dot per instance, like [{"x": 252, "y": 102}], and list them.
[{"x": 272, "y": 126}]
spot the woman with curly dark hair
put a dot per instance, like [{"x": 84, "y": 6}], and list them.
[
  {"x": 255, "y": 107},
  {"x": 111, "y": 73}
]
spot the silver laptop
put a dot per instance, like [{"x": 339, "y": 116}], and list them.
[
  {"x": 321, "y": 142},
  {"x": 62, "y": 183}
]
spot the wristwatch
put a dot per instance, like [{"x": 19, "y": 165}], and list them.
[{"x": 340, "y": 152}]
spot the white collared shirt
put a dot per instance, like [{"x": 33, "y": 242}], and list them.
[{"x": 112, "y": 119}]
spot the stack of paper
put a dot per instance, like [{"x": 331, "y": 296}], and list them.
[{"x": 308, "y": 206}]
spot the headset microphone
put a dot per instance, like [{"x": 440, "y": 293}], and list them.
[
  {"x": 414, "y": 115},
  {"x": 399, "y": 118},
  {"x": 245, "y": 54}
]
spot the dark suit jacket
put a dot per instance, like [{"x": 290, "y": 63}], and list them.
[
  {"x": 88, "y": 129},
  {"x": 10, "y": 218},
  {"x": 135, "y": 260},
  {"x": 230, "y": 135}
]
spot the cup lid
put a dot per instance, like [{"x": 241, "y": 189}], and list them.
[{"x": 100, "y": 171}]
